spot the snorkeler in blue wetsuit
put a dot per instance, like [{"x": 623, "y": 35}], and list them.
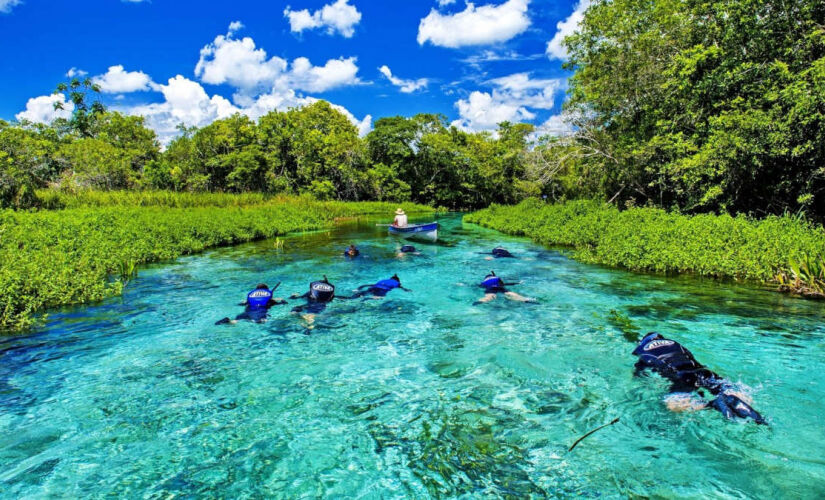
[
  {"x": 669, "y": 359},
  {"x": 493, "y": 285},
  {"x": 380, "y": 289},
  {"x": 257, "y": 303}
]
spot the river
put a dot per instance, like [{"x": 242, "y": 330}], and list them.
[{"x": 423, "y": 394}]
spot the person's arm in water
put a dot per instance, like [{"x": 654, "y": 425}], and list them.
[
  {"x": 296, "y": 296},
  {"x": 276, "y": 301}
]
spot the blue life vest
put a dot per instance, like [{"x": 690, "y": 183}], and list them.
[
  {"x": 407, "y": 249},
  {"x": 492, "y": 282},
  {"x": 259, "y": 298},
  {"x": 321, "y": 291},
  {"x": 387, "y": 284}
]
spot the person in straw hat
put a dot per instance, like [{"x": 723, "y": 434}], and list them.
[{"x": 400, "y": 219}]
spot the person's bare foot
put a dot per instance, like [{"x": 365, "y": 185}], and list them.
[{"x": 683, "y": 401}]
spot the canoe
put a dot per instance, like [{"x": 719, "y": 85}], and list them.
[{"x": 428, "y": 232}]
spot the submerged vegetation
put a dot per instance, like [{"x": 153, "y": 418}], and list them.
[
  {"x": 87, "y": 252},
  {"x": 651, "y": 239}
]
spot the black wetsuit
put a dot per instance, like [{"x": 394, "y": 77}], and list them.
[
  {"x": 671, "y": 360},
  {"x": 319, "y": 295},
  {"x": 500, "y": 253}
]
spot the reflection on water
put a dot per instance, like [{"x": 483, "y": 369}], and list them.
[{"x": 422, "y": 394}]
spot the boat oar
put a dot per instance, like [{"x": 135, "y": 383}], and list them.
[{"x": 593, "y": 431}]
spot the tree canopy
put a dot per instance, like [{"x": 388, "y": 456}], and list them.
[{"x": 702, "y": 105}]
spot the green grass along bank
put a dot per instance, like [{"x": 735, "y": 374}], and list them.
[
  {"x": 86, "y": 253},
  {"x": 785, "y": 251}
]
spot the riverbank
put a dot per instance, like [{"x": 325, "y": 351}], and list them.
[
  {"x": 87, "y": 252},
  {"x": 783, "y": 251}
]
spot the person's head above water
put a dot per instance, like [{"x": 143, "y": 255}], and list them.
[
  {"x": 352, "y": 251},
  {"x": 407, "y": 249},
  {"x": 261, "y": 286}
]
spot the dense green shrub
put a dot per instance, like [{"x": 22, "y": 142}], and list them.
[
  {"x": 650, "y": 239},
  {"x": 53, "y": 258}
]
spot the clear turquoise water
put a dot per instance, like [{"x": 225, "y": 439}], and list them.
[{"x": 418, "y": 395}]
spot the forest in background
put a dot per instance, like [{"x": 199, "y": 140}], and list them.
[{"x": 692, "y": 106}]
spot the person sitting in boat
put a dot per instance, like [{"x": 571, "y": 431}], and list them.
[
  {"x": 257, "y": 303},
  {"x": 380, "y": 289},
  {"x": 351, "y": 252},
  {"x": 493, "y": 285},
  {"x": 672, "y": 361},
  {"x": 408, "y": 250},
  {"x": 499, "y": 253},
  {"x": 400, "y": 219}
]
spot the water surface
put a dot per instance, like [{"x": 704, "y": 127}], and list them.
[{"x": 421, "y": 394}]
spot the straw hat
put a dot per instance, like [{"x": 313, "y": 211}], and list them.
[{"x": 399, "y": 212}]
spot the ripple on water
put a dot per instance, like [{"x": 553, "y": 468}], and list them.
[{"x": 418, "y": 395}]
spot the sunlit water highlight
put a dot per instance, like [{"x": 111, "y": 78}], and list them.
[{"x": 421, "y": 394}]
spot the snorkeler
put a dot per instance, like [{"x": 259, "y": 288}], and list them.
[
  {"x": 493, "y": 285},
  {"x": 319, "y": 295},
  {"x": 380, "y": 289},
  {"x": 408, "y": 250},
  {"x": 669, "y": 359},
  {"x": 351, "y": 252},
  {"x": 257, "y": 303},
  {"x": 499, "y": 253}
]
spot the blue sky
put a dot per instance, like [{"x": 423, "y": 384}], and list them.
[{"x": 180, "y": 61}]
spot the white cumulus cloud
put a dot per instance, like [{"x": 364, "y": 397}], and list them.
[
  {"x": 406, "y": 86},
  {"x": 556, "y": 125},
  {"x": 76, "y": 73},
  {"x": 475, "y": 25},
  {"x": 555, "y": 49},
  {"x": 117, "y": 80},
  {"x": 335, "y": 73},
  {"x": 512, "y": 99},
  {"x": 6, "y": 5},
  {"x": 238, "y": 62},
  {"x": 241, "y": 64},
  {"x": 41, "y": 109},
  {"x": 444, "y": 3},
  {"x": 338, "y": 17},
  {"x": 185, "y": 102}
]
